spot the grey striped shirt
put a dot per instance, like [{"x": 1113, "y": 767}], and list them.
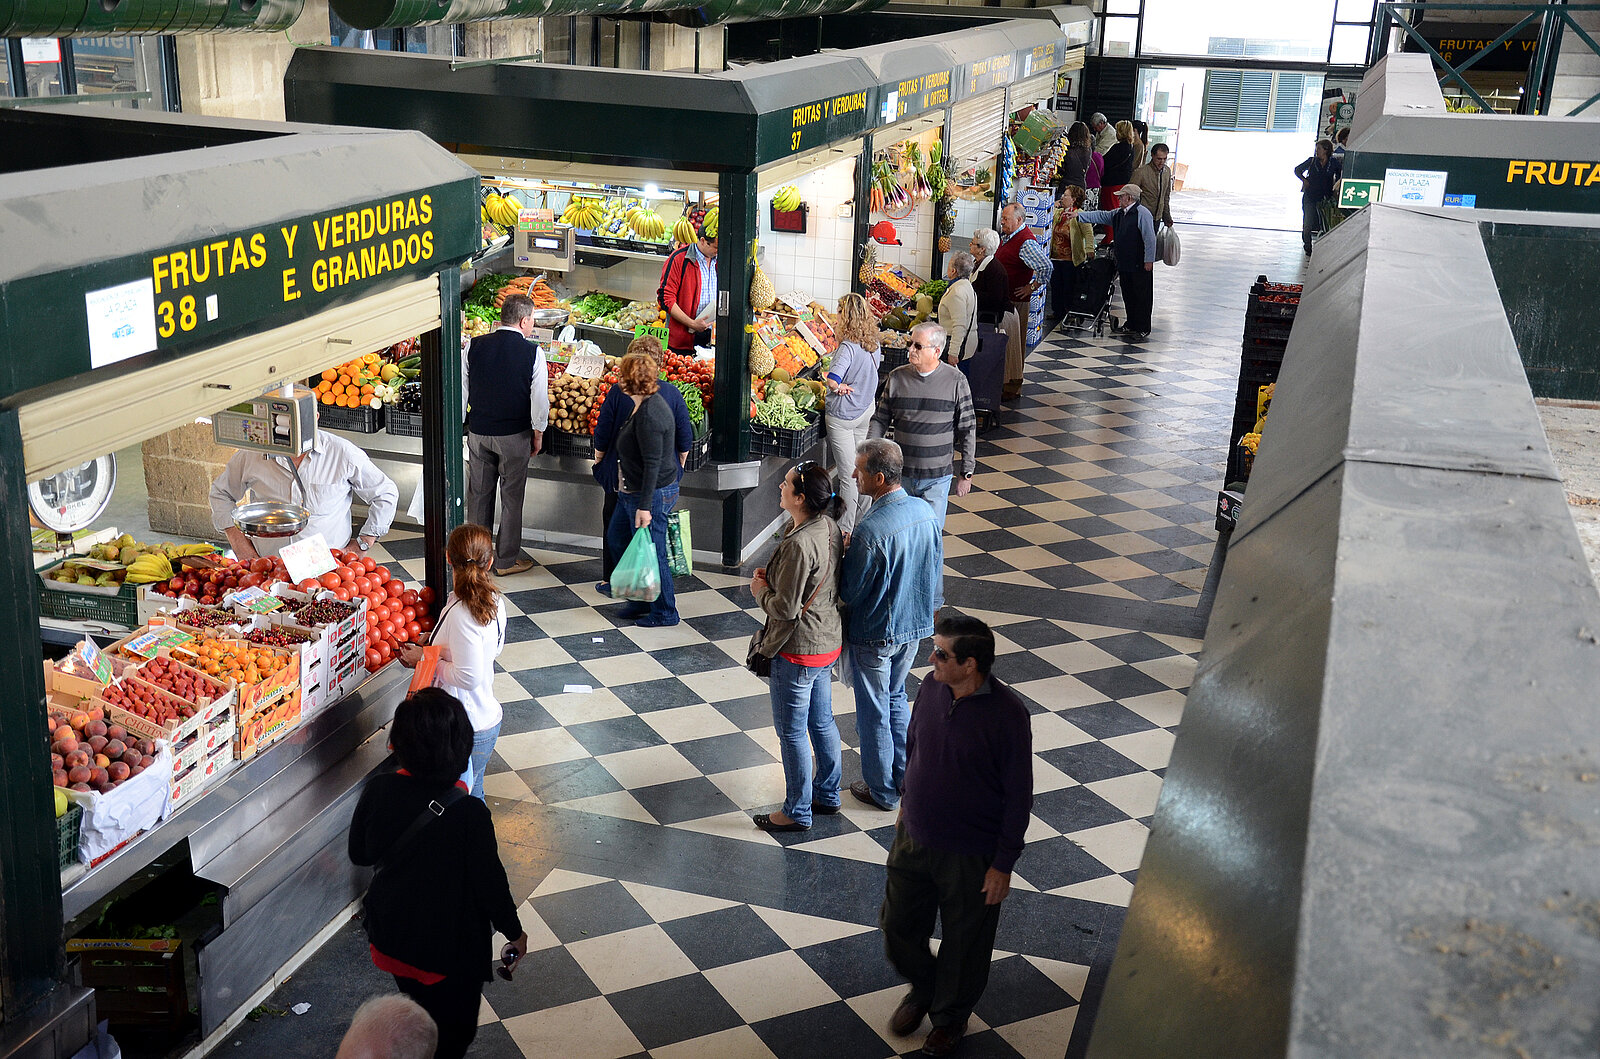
[{"x": 932, "y": 418}]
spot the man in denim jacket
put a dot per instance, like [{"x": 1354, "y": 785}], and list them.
[{"x": 891, "y": 576}]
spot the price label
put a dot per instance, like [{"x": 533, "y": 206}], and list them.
[
  {"x": 97, "y": 662},
  {"x": 256, "y": 600},
  {"x": 145, "y": 646},
  {"x": 307, "y": 558}
]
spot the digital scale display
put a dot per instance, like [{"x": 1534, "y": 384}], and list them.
[
  {"x": 271, "y": 423},
  {"x": 546, "y": 244}
]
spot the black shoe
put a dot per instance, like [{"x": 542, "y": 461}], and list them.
[
  {"x": 944, "y": 1040},
  {"x": 765, "y": 822},
  {"x": 825, "y": 810},
  {"x": 863, "y": 793},
  {"x": 907, "y": 1017}
]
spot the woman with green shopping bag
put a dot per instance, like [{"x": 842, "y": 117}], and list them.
[{"x": 647, "y": 485}]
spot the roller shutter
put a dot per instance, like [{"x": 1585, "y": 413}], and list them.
[
  {"x": 1041, "y": 89},
  {"x": 976, "y": 125}
]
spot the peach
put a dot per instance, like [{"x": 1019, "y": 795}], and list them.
[
  {"x": 82, "y": 787},
  {"x": 118, "y": 771},
  {"x": 57, "y": 761},
  {"x": 60, "y": 778},
  {"x": 116, "y": 731},
  {"x": 80, "y": 721},
  {"x": 65, "y": 745},
  {"x": 77, "y": 757},
  {"x": 146, "y": 761},
  {"x": 98, "y": 776},
  {"x": 114, "y": 749},
  {"x": 101, "y": 761},
  {"x": 78, "y": 774},
  {"x": 95, "y": 728},
  {"x": 133, "y": 757}
]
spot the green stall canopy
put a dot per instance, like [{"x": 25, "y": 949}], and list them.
[
  {"x": 96, "y": 18},
  {"x": 388, "y": 14}
]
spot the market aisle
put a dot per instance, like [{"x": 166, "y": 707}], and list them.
[{"x": 663, "y": 924}]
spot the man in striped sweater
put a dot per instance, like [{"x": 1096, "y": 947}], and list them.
[{"x": 929, "y": 405}]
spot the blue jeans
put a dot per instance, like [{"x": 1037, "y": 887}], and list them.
[
  {"x": 936, "y": 491},
  {"x": 665, "y": 607},
  {"x": 482, "y": 747},
  {"x": 802, "y": 706},
  {"x": 882, "y": 715}
]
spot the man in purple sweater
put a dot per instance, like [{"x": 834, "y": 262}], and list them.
[{"x": 963, "y": 811}]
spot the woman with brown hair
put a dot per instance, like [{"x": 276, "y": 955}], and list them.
[
  {"x": 647, "y": 481},
  {"x": 852, "y": 379},
  {"x": 471, "y": 633}
]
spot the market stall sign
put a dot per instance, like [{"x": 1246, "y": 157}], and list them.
[
  {"x": 1354, "y": 194},
  {"x": 1043, "y": 57},
  {"x": 982, "y": 76},
  {"x": 814, "y": 125},
  {"x": 912, "y": 96},
  {"x": 204, "y": 291}
]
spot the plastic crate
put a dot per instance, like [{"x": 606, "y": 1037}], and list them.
[
  {"x": 404, "y": 424},
  {"x": 698, "y": 453},
  {"x": 1259, "y": 309},
  {"x": 1275, "y": 329},
  {"x": 786, "y": 442},
  {"x": 560, "y": 443},
  {"x": 119, "y": 608},
  {"x": 67, "y": 826},
  {"x": 365, "y": 420},
  {"x": 893, "y": 357}
]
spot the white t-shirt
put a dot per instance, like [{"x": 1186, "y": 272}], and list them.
[{"x": 466, "y": 661}]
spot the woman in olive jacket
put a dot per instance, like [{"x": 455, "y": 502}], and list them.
[{"x": 799, "y": 590}]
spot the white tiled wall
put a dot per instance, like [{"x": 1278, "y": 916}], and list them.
[
  {"x": 916, "y": 234},
  {"x": 819, "y": 261},
  {"x": 972, "y": 214}
]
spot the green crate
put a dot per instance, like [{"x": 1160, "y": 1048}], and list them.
[
  {"x": 67, "y": 827},
  {"x": 67, "y": 605}
]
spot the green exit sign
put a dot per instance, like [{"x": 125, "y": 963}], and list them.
[{"x": 1354, "y": 194}]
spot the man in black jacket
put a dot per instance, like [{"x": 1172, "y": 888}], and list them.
[
  {"x": 508, "y": 398},
  {"x": 1135, "y": 247}
]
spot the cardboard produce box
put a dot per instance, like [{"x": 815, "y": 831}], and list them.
[
  {"x": 186, "y": 785},
  {"x": 261, "y": 726}
]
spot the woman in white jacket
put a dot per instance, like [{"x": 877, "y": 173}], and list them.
[
  {"x": 958, "y": 309},
  {"x": 471, "y": 633}
]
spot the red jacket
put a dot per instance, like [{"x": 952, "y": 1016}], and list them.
[
  {"x": 1009, "y": 258},
  {"x": 680, "y": 286}
]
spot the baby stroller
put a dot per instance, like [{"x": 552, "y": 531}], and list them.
[{"x": 1088, "y": 295}]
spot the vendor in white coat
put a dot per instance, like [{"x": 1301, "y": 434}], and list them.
[
  {"x": 470, "y": 633},
  {"x": 333, "y": 472}
]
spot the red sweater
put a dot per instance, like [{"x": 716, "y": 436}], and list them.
[{"x": 680, "y": 285}]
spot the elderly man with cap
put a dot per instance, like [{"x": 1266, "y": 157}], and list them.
[{"x": 1135, "y": 246}]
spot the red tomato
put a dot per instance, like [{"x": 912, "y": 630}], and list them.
[
  {"x": 386, "y": 627},
  {"x": 410, "y": 613},
  {"x": 374, "y": 659},
  {"x": 374, "y": 636},
  {"x": 380, "y": 575},
  {"x": 369, "y": 563},
  {"x": 376, "y": 597},
  {"x": 414, "y": 630},
  {"x": 349, "y": 573},
  {"x": 426, "y": 623},
  {"x": 394, "y": 588},
  {"x": 381, "y": 611},
  {"x": 385, "y": 652},
  {"x": 342, "y": 593},
  {"x": 426, "y": 595},
  {"x": 331, "y": 579},
  {"x": 372, "y": 619},
  {"x": 363, "y": 584},
  {"x": 409, "y": 597},
  {"x": 309, "y": 585},
  {"x": 400, "y": 634}
]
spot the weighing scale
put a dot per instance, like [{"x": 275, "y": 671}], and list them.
[
  {"x": 72, "y": 500},
  {"x": 280, "y": 423},
  {"x": 542, "y": 243}
]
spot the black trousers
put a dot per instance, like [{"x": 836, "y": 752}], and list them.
[
  {"x": 454, "y": 1005},
  {"x": 1310, "y": 219},
  {"x": 608, "y": 559},
  {"x": 925, "y": 884},
  {"x": 1138, "y": 296}
]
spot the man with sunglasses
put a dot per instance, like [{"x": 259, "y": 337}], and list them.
[
  {"x": 889, "y": 583},
  {"x": 929, "y": 405},
  {"x": 967, "y": 795}
]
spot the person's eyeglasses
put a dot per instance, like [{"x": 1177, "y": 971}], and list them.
[
  {"x": 941, "y": 654},
  {"x": 920, "y": 345}
]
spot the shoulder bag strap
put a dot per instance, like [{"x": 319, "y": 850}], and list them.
[
  {"x": 430, "y": 812},
  {"x": 439, "y": 621}
]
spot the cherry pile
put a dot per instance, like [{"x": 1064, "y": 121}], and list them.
[
  {"x": 207, "y": 618},
  {"x": 323, "y": 612},
  {"x": 278, "y": 636}
]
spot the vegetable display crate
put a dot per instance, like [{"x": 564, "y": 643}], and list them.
[
  {"x": 118, "y": 606},
  {"x": 560, "y": 443},
  {"x": 1276, "y": 306},
  {"x": 893, "y": 357},
  {"x": 404, "y": 424},
  {"x": 1271, "y": 329},
  {"x": 698, "y": 452},
  {"x": 364, "y": 420},
  {"x": 67, "y": 826},
  {"x": 788, "y": 442}
]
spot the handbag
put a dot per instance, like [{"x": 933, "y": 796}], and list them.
[{"x": 760, "y": 664}]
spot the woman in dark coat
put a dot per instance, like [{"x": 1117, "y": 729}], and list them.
[{"x": 437, "y": 896}]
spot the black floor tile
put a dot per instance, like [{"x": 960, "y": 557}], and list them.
[
  {"x": 590, "y": 911},
  {"x": 984, "y": 1045},
  {"x": 1103, "y": 505},
  {"x": 524, "y": 715},
  {"x": 691, "y": 799},
  {"x": 1037, "y": 633},
  {"x": 1104, "y": 720},
  {"x": 407, "y": 548},
  {"x": 724, "y": 753},
  {"x": 1073, "y": 809},
  {"x": 1121, "y": 682},
  {"x": 1088, "y": 762},
  {"x": 679, "y": 1009},
  {"x": 567, "y": 781},
  {"x": 1168, "y": 562},
  {"x": 749, "y": 713},
  {"x": 724, "y": 626},
  {"x": 1057, "y": 862},
  {"x": 1135, "y": 646},
  {"x": 1018, "y": 990},
  {"x": 1025, "y": 496},
  {"x": 693, "y": 658},
  {"x": 1021, "y": 666},
  {"x": 1155, "y": 588},
  {"x": 539, "y": 600},
  {"x": 994, "y": 540},
  {"x": 1013, "y": 516},
  {"x": 1066, "y": 576},
  {"x": 980, "y": 564},
  {"x": 1079, "y": 551},
  {"x": 854, "y": 965},
  {"x": 800, "y": 1035},
  {"x": 520, "y": 628},
  {"x": 729, "y": 935},
  {"x": 549, "y": 680},
  {"x": 544, "y": 979},
  {"x": 665, "y": 693},
  {"x": 582, "y": 646},
  {"x": 615, "y": 735}
]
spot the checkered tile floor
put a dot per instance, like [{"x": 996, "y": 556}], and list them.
[{"x": 630, "y": 760}]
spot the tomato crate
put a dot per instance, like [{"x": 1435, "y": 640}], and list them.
[
  {"x": 788, "y": 442},
  {"x": 699, "y": 451},
  {"x": 1272, "y": 306},
  {"x": 401, "y": 424},
  {"x": 67, "y": 825},
  {"x": 363, "y": 420}
]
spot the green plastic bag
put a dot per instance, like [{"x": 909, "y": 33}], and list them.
[
  {"x": 638, "y": 575},
  {"x": 680, "y": 544}
]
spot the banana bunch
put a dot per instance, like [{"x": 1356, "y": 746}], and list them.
[
  {"x": 647, "y": 224},
  {"x": 148, "y": 569},
  {"x": 500, "y": 209},
  {"x": 683, "y": 232},
  {"x": 710, "y": 223},
  {"x": 786, "y": 199},
  {"x": 583, "y": 213}
]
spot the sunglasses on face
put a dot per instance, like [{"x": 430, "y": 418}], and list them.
[
  {"x": 941, "y": 654},
  {"x": 921, "y": 345}
]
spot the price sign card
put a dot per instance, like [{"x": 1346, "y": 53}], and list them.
[
  {"x": 147, "y": 645},
  {"x": 308, "y": 558},
  {"x": 257, "y": 600},
  {"x": 97, "y": 662}
]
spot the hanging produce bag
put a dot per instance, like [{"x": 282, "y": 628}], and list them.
[
  {"x": 637, "y": 576},
  {"x": 680, "y": 544}
]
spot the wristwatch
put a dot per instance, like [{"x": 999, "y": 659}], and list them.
[{"x": 967, "y": 476}]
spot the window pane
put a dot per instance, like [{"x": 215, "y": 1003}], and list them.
[
  {"x": 5, "y": 72},
  {"x": 1256, "y": 27},
  {"x": 1286, "y": 102},
  {"x": 1255, "y": 94},
  {"x": 1354, "y": 11},
  {"x": 1120, "y": 36},
  {"x": 1122, "y": 7},
  {"x": 41, "y": 57},
  {"x": 1350, "y": 45},
  {"x": 120, "y": 64},
  {"x": 1219, "y": 109}
]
